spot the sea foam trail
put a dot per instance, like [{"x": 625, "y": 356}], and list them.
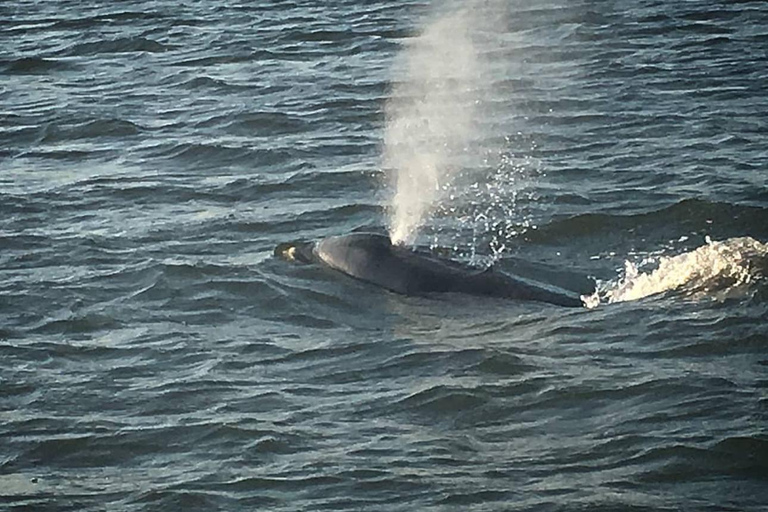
[{"x": 715, "y": 269}]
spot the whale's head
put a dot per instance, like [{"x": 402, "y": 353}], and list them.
[
  {"x": 354, "y": 254},
  {"x": 369, "y": 257},
  {"x": 302, "y": 252}
]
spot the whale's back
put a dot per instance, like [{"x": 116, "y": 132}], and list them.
[{"x": 373, "y": 258}]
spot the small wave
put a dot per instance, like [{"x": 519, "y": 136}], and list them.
[
  {"x": 317, "y": 36},
  {"x": 209, "y": 83},
  {"x": 680, "y": 462},
  {"x": 103, "y": 19},
  {"x": 265, "y": 123},
  {"x": 120, "y": 45},
  {"x": 61, "y": 154},
  {"x": 444, "y": 399},
  {"x": 35, "y": 65},
  {"x": 179, "y": 499},
  {"x": 89, "y": 130},
  {"x": 210, "y": 152},
  {"x": 717, "y": 269},
  {"x": 78, "y": 323},
  {"x": 688, "y": 215},
  {"x": 213, "y": 60}
]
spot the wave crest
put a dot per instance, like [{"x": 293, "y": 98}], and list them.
[{"x": 719, "y": 268}]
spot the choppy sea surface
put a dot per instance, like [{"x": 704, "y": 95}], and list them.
[{"x": 155, "y": 355}]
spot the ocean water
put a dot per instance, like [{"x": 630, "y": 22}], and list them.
[{"x": 156, "y": 355}]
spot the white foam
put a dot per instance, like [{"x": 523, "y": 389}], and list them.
[{"x": 714, "y": 269}]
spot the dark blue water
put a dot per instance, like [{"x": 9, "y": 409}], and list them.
[{"x": 156, "y": 355}]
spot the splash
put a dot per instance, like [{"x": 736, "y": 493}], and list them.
[
  {"x": 430, "y": 120},
  {"x": 486, "y": 209},
  {"x": 714, "y": 269}
]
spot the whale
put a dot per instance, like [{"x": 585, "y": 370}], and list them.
[{"x": 372, "y": 258}]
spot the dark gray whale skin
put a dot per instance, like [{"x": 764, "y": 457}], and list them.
[{"x": 372, "y": 258}]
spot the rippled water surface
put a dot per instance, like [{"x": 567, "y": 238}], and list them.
[{"x": 157, "y": 356}]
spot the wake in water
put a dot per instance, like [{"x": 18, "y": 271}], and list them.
[{"x": 717, "y": 269}]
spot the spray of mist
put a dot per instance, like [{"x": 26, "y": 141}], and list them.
[{"x": 430, "y": 120}]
